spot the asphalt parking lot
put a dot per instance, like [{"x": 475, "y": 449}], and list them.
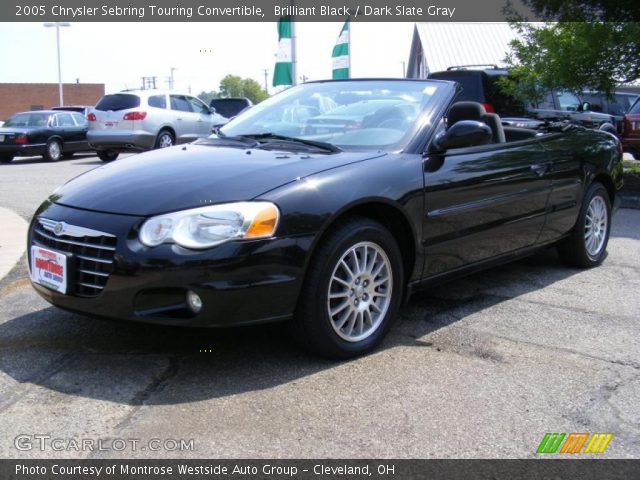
[{"x": 479, "y": 368}]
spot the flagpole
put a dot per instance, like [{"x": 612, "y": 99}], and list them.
[
  {"x": 349, "y": 47},
  {"x": 294, "y": 58}
]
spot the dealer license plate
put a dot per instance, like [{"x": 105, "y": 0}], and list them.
[{"x": 49, "y": 269}]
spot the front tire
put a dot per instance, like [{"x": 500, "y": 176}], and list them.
[
  {"x": 6, "y": 157},
  {"x": 587, "y": 245},
  {"x": 352, "y": 292},
  {"x": 53, "y": 151},
  {"x": 107, "y": 155},
  {"x": 165, "y": 139}
]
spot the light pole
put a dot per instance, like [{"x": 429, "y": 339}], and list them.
[
  {"x": 58, "y": 25},
  {"x": 171, "y": 79}
]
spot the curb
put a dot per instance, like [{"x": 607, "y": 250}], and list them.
[{"x": 13, "y": 240}]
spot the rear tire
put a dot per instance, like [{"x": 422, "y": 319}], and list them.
[
  {"x": 107, "y": 155},
  {"x": 6, "y": 157},
  {"x": 53, "y": 150},
  {"x": 587, "y": 245},
  {"x": 165, "y": 139},
  {"x": 352, "y": 291}
]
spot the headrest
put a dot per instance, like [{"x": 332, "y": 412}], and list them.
[{"x": 465, "y": 111}]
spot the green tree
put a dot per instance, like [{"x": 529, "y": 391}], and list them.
[
  {"x": 590, "y": 44},
  {"x": 235, "y": 86},
  {"x": 206, "y": 97}
]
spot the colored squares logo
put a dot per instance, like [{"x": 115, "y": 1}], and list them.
[{"x": 574, "y": 443}]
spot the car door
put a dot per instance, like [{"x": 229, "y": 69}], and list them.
[
  {"x": 204, "y": 122},
  {"x": 567, "y": 179},
  {"x": 70, "y": 133},
  {"x": 83, "y": 126},
  {"x": 186, "y": 121},
  {"x": 483, "y": 202}
]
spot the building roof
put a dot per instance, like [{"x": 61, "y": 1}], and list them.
[{"x": 439, "y": 45}]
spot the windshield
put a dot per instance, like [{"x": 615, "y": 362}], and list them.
[
  {"x": 28, "y": 120},
  {"x": 351, "y": 115}
]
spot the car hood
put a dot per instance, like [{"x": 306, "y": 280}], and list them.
[{"x": 190, "y": 176}]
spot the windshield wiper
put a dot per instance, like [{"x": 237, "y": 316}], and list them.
[{"x": 274, "y": 136}]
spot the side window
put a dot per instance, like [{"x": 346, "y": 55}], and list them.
[
  {"x": 65, "y": 120},
  {"x": 547, "y": 103},
  {"x": 79, "y": 119},
  {"x": 180, "y": 103},
  {"x": 158, "y": 101},
  {"x": 568, "y": 101},
  {"x": 198, "y": 106}
]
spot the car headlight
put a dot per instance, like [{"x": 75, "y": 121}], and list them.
[{"x": 206, "y": 227}]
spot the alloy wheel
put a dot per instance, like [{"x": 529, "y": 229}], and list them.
[
  {"x": 360, "y": 291},
  {"x": 595, "y": 226}
]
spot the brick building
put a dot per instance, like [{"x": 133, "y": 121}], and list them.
[{"x": 19, "y": 97}]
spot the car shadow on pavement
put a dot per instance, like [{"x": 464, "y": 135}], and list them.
[{"x": 137, "y": 364}]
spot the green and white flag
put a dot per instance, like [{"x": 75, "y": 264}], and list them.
[
  {"x": 283, "y": 71},
  {"x": 340, "y": 55}
]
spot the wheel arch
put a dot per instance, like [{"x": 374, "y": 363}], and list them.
[
  {"x": 169, "y": 129},
  {"x": 55, "y": 137},
  {"x": 383, "y": 211},
  {"x": 607, "y": 182}
]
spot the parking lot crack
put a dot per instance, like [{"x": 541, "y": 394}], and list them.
[{"x": 157, "y": 384}]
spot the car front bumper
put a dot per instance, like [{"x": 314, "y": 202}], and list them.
[
  {"x": 238, "y": 282},
  {"x": 121, "y": 140}
]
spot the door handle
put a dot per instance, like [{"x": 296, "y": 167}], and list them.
[{"x": 540, "y": 168}]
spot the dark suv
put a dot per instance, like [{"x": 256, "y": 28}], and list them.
[
  {"x": 231, "y": 106},
  {"x": 616, "y": 105},
  {"x": 481, "y": 85}
]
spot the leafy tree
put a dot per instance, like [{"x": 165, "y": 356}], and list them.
[
  {"x": 592, "y": 45},
  {"x": 235, "y": 86},
  {"x": 206, "y": 97}
]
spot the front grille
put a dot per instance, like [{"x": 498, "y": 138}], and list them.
[{"x": 92, "y": 251}]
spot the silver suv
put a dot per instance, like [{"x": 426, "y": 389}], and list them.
[{"x": 140, "y": 120}]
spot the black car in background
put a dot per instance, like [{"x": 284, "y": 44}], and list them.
[
  {"x": 481, "y": 85},
  {"x": 231, "y": 106},
  {"x": 330, "y": 230},
  {"x": 52, "y": 134}
]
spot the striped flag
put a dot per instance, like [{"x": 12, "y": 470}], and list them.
[
  {"x": 283, "y": 71},
  {"x": 340, "y": 55}
]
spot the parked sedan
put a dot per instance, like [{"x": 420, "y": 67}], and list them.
[
  {"x": 139, "y": 120},
  {"x": 325, "y": 231},
  {"x": 46, "y": 132}
]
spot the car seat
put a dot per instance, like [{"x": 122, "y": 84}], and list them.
[{"x": 475, "y": 111}]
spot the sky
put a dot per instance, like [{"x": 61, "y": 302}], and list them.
[{"x": 119, "y": 54}]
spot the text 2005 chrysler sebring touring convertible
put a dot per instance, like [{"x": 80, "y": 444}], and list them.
[{"x": 322, "y": 206}]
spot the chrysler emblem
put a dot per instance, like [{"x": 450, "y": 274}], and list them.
[{"x": 59, "y": 228}]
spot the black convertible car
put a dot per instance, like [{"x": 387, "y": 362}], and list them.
[
  {"x": 328, "y": 230},
  {"x": 52, "y": 134}
]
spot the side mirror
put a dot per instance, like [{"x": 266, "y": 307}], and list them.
[
  {"x": 465, "y": 133},
  {"x": 212, "y": 110},
  {"x": 585, "y": 107}
]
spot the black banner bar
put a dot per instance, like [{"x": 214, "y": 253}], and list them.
[{"x": 538, "y": 469}]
